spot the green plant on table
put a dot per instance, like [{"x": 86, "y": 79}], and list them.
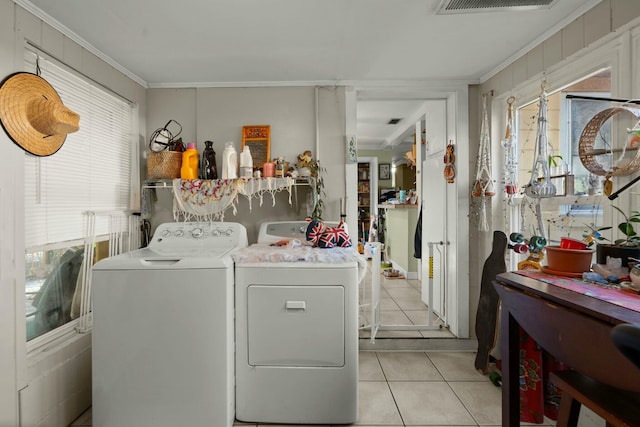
[{"x": 631, "y": 238}]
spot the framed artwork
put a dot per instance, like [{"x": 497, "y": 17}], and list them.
[
  {"x": 258, "y": 139},
  {"x": 384, "y": 170}
]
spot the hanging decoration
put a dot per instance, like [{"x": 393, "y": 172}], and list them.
[
  {"x": 483, "y": 185},
  {"x": 595, "y": 150},
  {"x": 509, "y": 143},
  {"x": 449, "y": 160},
  {"x": 540, "y": 185}
]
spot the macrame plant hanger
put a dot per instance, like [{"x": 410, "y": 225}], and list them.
[
  {"x": 540, "y": 185},
  {"x": 509, "y": 144},
  {"x": 483, "y": 185}
]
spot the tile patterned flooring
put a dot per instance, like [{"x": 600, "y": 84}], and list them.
[{"x": 417, "y": 389}]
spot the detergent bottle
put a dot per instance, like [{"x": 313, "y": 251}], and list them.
[
  {"x": 229, "y": 162},
  {"x": 189, "y": 169},
  {"x": 246, "y": 163}
]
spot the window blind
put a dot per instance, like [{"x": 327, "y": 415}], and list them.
[{"x": 91, "y": 172}]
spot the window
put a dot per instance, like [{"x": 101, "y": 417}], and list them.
[
  {"x": 91, "y": 172},
  {"x": 567, "y": 116}
]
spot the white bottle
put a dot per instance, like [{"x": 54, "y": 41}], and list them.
[
  {"x": 229, "y": 162},
  {"x": 246, "y": 163}
]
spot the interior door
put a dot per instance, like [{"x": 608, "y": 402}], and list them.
[{"x": 434, "y": 207}]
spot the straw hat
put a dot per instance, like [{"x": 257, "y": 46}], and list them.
[{"x": 32, "y": 114}]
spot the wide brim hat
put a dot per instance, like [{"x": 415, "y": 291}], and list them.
[{"x": 33, "y": 115}]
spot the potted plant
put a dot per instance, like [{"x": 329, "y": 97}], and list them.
[{"x": 625, "y": 247}]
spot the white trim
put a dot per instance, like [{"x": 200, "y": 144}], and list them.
[
  {"x": 358, "y": 84},
  {"x": 53, "y": 340},
  {"x": 39, "y": 13}
]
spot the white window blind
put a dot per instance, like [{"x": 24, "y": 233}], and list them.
[{"x": 92, "y": 170}]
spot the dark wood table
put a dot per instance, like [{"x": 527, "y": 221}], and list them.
[{"x": 571, "y": 326}]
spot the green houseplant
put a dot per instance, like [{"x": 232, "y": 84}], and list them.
[{"x": 625, "y": 247}]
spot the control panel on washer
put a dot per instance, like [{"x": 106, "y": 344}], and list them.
[{"x": 207, "y": 234}]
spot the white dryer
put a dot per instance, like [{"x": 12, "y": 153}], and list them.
[
  {"x": 163, "y": 332},
  {"x": 296, "y": 336}
]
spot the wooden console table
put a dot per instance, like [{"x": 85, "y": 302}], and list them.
[{"x": 572, "y": 326}]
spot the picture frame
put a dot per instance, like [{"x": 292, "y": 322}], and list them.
[
  {"x": 384, "y": 170},
  {"x": 258, "y": 139}
]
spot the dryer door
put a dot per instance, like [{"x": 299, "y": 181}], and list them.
[{"x": 296, "y": 325}]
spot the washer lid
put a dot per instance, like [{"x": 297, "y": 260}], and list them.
[{"x": 166, "y": 259}]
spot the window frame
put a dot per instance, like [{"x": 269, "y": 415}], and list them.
[{"x": 64, "y": 334}]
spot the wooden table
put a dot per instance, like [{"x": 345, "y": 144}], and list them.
[{"x": 571, "y": 326}]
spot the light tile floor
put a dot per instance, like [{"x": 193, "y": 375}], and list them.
[{"x": 417, "y": 389}]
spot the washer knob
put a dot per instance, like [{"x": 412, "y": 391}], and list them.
[
  {"x": 179, "y": 233},
  {"x": 228, "y": 232},
  {"x": 197, "y": 232},
  {"x": 215, "y": 232},
  {"x": 166, "y": 233}
]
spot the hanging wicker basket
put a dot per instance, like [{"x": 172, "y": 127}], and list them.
[
  {"x": 164, "y": 164},
  {"x": 588, "y": 154}
]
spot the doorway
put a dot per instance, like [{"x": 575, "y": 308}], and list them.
[{"x": 446, "y": 115}]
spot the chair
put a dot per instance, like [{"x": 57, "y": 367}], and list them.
[
  {"x": 617, "y": 407},
  {"x": 626, "y": 338}
]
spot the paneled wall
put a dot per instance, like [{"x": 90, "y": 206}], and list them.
[
  {"x": 608, "y": 29},
  {"x": 50, "y": 386}
]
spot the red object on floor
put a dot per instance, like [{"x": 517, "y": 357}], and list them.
[{"x": 538, "y": 397}]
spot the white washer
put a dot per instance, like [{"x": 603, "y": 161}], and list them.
[
  {"x": 163, "y": 332},
  {"x": 296, "y": 339}
]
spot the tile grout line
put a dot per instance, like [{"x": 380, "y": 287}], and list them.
[{"x": 391, "y": 391}]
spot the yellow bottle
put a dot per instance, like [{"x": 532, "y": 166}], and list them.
[{"x": 189, "y": 169}]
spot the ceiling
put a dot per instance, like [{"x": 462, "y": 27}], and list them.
[{"x": 295, "y": 42}]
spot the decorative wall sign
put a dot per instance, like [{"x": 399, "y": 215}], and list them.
[
  {"x": 258, "y": 139},
  {"x": 352, "y": 149}
]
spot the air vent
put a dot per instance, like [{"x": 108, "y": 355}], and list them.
[
  {"x": 474, "y": 6},
  {"x": 394, "y": 121}
]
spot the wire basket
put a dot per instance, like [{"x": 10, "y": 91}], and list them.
[
  {"x": 164, "y": 164},
  {"x": 588, "y": 153}
]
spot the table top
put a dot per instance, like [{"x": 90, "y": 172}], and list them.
[{"x": 610, "y": 305}]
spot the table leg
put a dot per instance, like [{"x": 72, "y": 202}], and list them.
[{"x": 510, "y": 370}]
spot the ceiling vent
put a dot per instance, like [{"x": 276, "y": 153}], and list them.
[
  {"x": 447, "y": 7},
  {"x": 394, "y": 121}
]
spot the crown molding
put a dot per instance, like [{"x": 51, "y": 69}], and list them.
[{"x": 39, "y": 13}]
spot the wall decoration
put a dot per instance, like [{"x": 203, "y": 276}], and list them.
[
  {"x": 540, "y": 185},
  {"x": 509, "y": 144},
  {"x": 33, "y": 115},
  {"x": 483, "y": 185},
  {"x": 384, "y": 170},
  {"x": 352, "y": 149},
  {"x": 258, "y": 139},
  {"x": 449, "y": 161}
]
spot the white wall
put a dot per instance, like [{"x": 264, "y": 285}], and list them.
[
  {"x": 218, "y": 114},
  {"x": 51, "y": 386}
]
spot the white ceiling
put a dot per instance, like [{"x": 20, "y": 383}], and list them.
[{"x": 263, "y": 42}]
